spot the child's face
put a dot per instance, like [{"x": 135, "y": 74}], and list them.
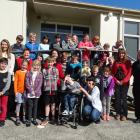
[
  {"x": 24, "y": 66},
  {"x": 54, "y": 54},
  {"x": 36, "y": 68},
  {"x": 110, "y": 61},
  {"x": 50, "y": 63},
  {"x": 26, "y": 54},
  {"x": 86, "y": 38},
  {"x": 32, "y": 39},
  {"x": 58, "y": 39},
  {"x": 106, "y": 73},
  {"x": 85, "y": 64},
  {"x": 45, "y": 41},
  {"x": 74, "y": 60},
  {"x": 74, "y": 38},
  {"x": 68, "y": 80},
  {"x": 90, "y": 84},
  {"x": 95, "y": 71},
  {"x": 3, "y": 66},
  {"x": 39, "y": 58},
  {"x": 19, "y": 41}
]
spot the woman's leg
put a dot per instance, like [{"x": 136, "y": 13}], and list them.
[
  {"x": 95, "y": 115},
  {"x": 87, "y": 110}
]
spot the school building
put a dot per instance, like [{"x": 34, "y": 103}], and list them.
[{"x": 65, "y": 16}]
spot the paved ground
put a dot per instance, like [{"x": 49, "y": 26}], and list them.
[{"x": 112, "y": 130}]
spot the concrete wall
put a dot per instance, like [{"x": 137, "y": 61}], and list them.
[
  {"x": 108, "y": 29},
  {"x": 13, "y": 19}
]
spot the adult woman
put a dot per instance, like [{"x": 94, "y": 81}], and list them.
[
  {"x": 121, "y": 71},
  {"x": 136, "y": 87},
  {"x": 5, "y": 51}
]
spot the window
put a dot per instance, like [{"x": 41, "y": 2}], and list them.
[
  {"x": 63, "y": 30},
  {"x": 131, "y": 37}
]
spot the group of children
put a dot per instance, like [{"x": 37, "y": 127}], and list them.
[{"x": 35, "y": 78}]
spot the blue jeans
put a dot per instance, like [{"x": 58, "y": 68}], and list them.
[
  {"x": 69, "y": 101},
  {"x": 91, "y": 112}
]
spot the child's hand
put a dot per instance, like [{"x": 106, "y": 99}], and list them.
[{"x": 1, "y": 93}]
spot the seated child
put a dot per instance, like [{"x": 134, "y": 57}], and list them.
[{"x": 72, "y": 88}]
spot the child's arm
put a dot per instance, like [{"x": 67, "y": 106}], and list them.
[{"x": 7, "y": 86}]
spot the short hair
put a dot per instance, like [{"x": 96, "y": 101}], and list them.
[
  {"x": 26, "y": 50},
  {"x": 95, "y": 67},
  {"x": 36, "y": 63},
  {"x": 4, "y": 60},
  {"x": 50, "y": 59},
  {"x": 107, "y": 69},
  {"x": 32, "y": 34},
  {"x": 57, "y": 36},
  {"x": 90, "y": 78},
  {"x": 19, "y": 37},
  {"x": 25, "y": 61}
]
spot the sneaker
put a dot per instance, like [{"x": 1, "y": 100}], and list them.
[
  {"x": 117, "y": 117},
  {"x": 97, "y": 121},
  {"x": 17, "y": 122},
  {"x": 70, "y": 112},
  {"x": 28, "y": 123},
  {"x": 137, "y": 121},
  {"x": 2, "y": 123},
  {"x": 65, "y": 112},
  {"x": 35, "y": 122},
  {"x": 107, "y": 117},
  {"x": 123, "y": 118},
  {"x": 44, "y": 123},
  {"x": 104, "y": 117}
]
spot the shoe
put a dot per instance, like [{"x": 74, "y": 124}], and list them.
[
  {"x": 28, "y": 123},
  {"x": 117, "y": 117},
  {"x": 2, "y": 123},
  {"x": 35, "y": 122},
  {"x": 107, "y": 117},
  {"x": 104, "y": 117},
  {"x": 65, "y": 112},
  {"x": 70, "y": 112},
  {"x": 23, "y": 120},
  {"x": 123, "y": 118},
  {"x": 17, "y": 122},
  {"x": 44, "y": 123},
  {"x": 97, "y": 122},
  {"x": 137, "y": 121}
]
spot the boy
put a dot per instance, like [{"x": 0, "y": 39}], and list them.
[
  {"x": 5, "y": 81},
  {"x": 32, "y": 45},
  {"x": 51, "y": 76},
  {"x": 18, "y": 46},
  {"x": 72, "y": 88}
]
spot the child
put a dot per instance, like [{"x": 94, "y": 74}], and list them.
[
  {"x": 107, "y": 84},
  {"x": 20, "y": 90},
  {"x": 72, "y": 88},
  {"x": 51, "y": 76},
  {"x": 85, "y": 72},
  {"x": 18, "y": 46},
  {"x": 95, "y": 75},
  {"x": 74, "y": 68},
  {"x": 33, "y": 85},
  {"x": 44, "y": 46},
  {"x": 93, "y": 106},
  {"x": 5, "y": 81},
  {"x": 32, "y": 45}
]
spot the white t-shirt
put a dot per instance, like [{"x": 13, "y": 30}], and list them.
[{"x": 44, "y": 47}]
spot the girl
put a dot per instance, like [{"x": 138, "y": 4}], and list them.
[
  {"x": 44, "y": 46},
  {"x": 107, "y": 84},
  {"x": 20, "y": 90},
  {"x": 121, "y": 71},
  {"x": 5, "y": 81},
  {"x": 33, "y": 85}
]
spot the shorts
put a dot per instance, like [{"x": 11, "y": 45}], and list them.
[
  {"x": 20, "y": 98},
  {"x": 49, "y": 99}
]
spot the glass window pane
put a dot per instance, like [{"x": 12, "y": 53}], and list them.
[
  {"x": 63, "y": 29},
  {"x": 131, "y": 45},
  {"x": 131, "y": 28},
  {"x": 80, "y": 30},
  {"x": 48, "y": 27}
]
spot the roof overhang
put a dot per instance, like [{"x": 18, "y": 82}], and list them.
[{"x": 75, "y": 9}]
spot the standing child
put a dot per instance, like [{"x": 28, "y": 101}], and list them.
[
  {"x": 5, "y": 81},
  {"x": 51, "y": 76},
  {"x": 20, "y": 90},
  {"x": 107, "y": 83},
  {"x": 33, "y": 83}
]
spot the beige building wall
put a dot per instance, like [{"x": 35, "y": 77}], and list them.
[
  {"x": 108, "y": 29},
  {"x": 13, "y": 19}
]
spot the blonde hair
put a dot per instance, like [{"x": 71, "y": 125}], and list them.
[
  {"x": 32, "y": 35},
  {"x": 50, "y": 59},
  {"x": 36, "y": 63},
  {"x": 95, "y": 67}
]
